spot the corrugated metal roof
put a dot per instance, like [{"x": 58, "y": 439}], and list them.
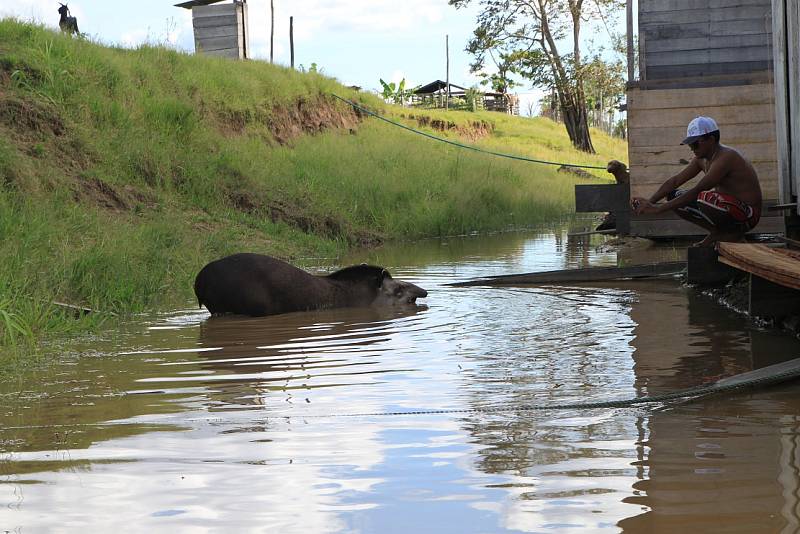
[
  {"x": 437, "y": 85},
  {"x": 194, "y": 3}
]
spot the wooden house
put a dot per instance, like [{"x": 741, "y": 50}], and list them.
[
  {"x": 733, "y": 60},
  {"x": 220, "y": 29}
]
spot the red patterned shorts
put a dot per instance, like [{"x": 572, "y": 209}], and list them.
[{"x": 720, "y": 210}]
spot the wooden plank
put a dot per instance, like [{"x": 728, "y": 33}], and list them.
[
  {"x": 215, "y": 31},
  {"x": 721, "y": 31},
  {"x": 193, "y": 3},
  {"x": 651, "y": 6},
  {"x": 657, "y": 173},
  {"x": 786, "y": 185},
  {"x": 662, "y": 45},
  {"x": 629, "y": 39},
  {"x": 793, "y": 63},
  {"x": 722, "y": 13},
  {"x": 680, "y": 228},
  {"x": 700, "y": 97},
  {"x": 673, "y": 155},
  {"x": 601, "y": 197},
  {"x": 650, "y": 175},
  {"x": 704, "y": 82},
  {"x": 742, "y": 68},
  {"x": 233, "y": 53},
  {"x": 709, "y": 56},
  {"x": 738, "y": 113},
  {"x": 642, "y": 52},
  {"x": 649, "y": 137},
  {"x": 218, "y": 43},
  {"x": 781, "y": 266},
  {"x": 768, "y": 186},
  {"x": 210, "y": 22},
  {"x": 591, "y": 274},
  {"x": 214, "y": 11},
  {"x": 645, "y": 190}
]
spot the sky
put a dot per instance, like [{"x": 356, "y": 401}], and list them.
[{"x": 355, "y": 41}]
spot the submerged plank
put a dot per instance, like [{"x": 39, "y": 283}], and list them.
[{"x": 591, "y": 274}]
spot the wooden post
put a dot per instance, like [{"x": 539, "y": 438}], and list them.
[
  {"x": 770, "y": 300},
  {"x": 245, "y": 32},
  {"x": 447, "y": 77},
  {"x": 629, "y": 22},
  {"x": 271, "y": 30},
  {"x": 291, "y": 38}
]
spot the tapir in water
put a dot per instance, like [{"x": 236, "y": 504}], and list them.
[{"x": 258, "y": 285}]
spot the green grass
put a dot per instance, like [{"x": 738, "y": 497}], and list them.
[{"x": 122, "y": 172}]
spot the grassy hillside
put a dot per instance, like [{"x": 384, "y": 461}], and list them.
[{"x": 123, "y": 171}]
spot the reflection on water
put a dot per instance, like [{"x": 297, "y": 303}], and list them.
[{"x": 246, "y": 424}]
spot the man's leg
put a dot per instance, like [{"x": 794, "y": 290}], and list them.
[
  {"x": 728, "y": 215},
  {"x": 693, "y": 214}
]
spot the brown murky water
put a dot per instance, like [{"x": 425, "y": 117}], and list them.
[{"x": 180, "y": 423}]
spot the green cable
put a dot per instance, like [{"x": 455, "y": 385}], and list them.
[{"x": 460, "y": 145}]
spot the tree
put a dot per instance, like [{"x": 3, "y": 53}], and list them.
[
  {"x": 526, "y": 33},
  {"x": 604, "y": 85},
  {"x": 501, "y": 80}
]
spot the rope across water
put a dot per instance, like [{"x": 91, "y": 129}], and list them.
[
  {"x": 461, "y": 145},
  {"x": 765, "y": 376},
  {"x": 762, "y": 377}
]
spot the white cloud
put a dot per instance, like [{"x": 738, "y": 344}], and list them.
[
  {"x": 376, "y": 16},
  {"x": 343, "y": 17},
  {"x": 175, "y": 32}
]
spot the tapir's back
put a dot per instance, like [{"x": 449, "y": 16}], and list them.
[{"x": 252, "y": 284}]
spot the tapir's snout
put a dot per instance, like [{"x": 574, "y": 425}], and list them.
[
  {"x": 394, "y": 292},
  {"x": 414, "y": 293}
]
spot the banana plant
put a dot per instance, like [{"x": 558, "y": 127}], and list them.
[{"x": 395, "y": 93}]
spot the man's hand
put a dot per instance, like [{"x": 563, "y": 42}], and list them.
[{"x": 642, "y": 206}]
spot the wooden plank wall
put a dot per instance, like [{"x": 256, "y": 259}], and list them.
[
  {"x": 219, "y": 30},
  {"x": 686, "y": 38},
  {"x": 657, "y": 122}
]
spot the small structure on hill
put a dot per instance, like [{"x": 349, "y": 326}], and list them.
[
  {"x": 435, "y": 95},
  {"x": 220, "y": 29}
]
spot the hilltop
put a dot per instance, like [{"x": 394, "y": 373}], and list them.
[{"x": 123, "y": 171}]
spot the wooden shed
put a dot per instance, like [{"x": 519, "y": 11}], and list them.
[
  {"x": 220, "y": 29},
  {"x": 732, "y": 60},
  {"x": 433, "y": 95}
]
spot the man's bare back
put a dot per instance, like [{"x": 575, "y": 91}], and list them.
[{"x": 739, "y": 178}]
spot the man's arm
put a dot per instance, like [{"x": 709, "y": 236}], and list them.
[
  {"x": 716, "y": 173},
  {"x": 689, "y": 172}
]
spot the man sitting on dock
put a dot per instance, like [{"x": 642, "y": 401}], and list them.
[{"x": 726, "y": 201}]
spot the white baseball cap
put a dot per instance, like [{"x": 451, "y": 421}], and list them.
[{"x": 699, "y": 127}]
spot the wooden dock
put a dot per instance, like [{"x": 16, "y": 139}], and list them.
[
  {"x": 774, "y": 285},
  {"x": 778, "y": 265}
]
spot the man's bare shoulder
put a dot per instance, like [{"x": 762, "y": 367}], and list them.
[{"x": 730, "y": 154}]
